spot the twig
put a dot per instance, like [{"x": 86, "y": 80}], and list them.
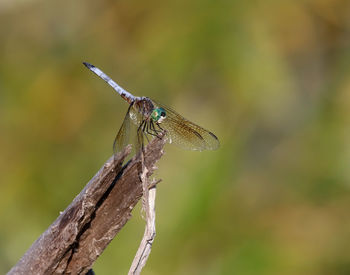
[
  {"x": 148, "y": 206},
  {"x": 81, "y": 233}
]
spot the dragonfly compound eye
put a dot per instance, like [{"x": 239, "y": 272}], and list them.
[{"x": 158, "y": 114}]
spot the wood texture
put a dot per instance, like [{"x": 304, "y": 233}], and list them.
[{"x": 81, "y": 233}]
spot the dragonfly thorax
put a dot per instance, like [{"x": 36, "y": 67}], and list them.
[{"x": 144, "y": 106}]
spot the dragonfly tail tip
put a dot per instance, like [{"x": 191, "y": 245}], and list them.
[{"x": 88, "y": 65}]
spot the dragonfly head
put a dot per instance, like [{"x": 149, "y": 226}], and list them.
[{"x": 158, "y": 114}]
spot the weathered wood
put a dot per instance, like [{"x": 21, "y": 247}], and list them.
[
  {"x": 80, "y": 234},
  {"x": 145, "y": 246}
]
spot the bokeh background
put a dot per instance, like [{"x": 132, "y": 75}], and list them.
[{"x": 270, "y": 78}]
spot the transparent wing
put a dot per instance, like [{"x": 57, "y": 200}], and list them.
[
  {"x": 123, "y": 137},
  {"x": 127, "y": 133},
  {"x": 186, "y": 134}
]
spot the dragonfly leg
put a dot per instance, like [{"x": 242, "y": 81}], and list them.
[
  {"x": 159, "y": 126},
  {"x": 144, "y": 125},
  {"x": 140, "y": 135},
  {"x": 161, "y": 129},
  {"x": 148, "y": 130},
  {"x": 145, "y": 129},
  {"x": 151, "y": 130}
]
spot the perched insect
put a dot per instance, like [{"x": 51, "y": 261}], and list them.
[{"x": 151, "y": 118}]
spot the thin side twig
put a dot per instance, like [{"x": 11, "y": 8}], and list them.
[{"x": 148, "y": 206}]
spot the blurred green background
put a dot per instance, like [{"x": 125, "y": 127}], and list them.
[{"x": 270, "y": 78}]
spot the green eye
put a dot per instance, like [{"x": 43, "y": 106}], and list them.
[{"x": 158, "y": 114}]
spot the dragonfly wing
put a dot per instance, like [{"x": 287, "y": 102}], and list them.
[
  {"x": 128, "y": 133},
  {"x": 186, "y": 134},
  {"x": 123, "y": 137}
]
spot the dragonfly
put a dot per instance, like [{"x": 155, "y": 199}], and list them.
[{"x": 151, "y": 118}]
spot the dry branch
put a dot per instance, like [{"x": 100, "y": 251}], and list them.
[
  {"x": 144, "y": 249},
  {"x": 81, "y": 233}
]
